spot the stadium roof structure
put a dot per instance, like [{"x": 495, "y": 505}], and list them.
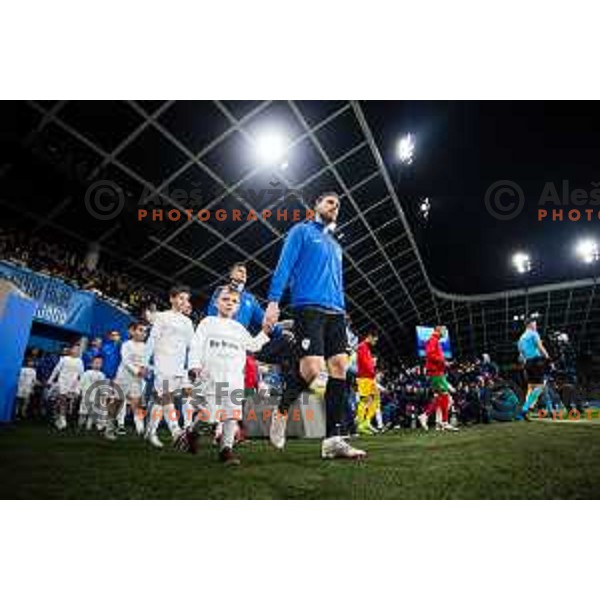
[{"x": 178, "y": 154}]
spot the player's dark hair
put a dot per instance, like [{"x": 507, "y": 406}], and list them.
[
  {"x": 327, "y": 195},
  {"x": 179, "y": 289},
  {"x": 237, "y": 265},
  {"x": 136, "y": 324}
]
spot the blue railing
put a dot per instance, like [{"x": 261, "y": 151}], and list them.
[{"x": 63, "y": 305}]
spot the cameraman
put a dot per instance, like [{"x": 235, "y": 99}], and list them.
[{"x": 566, "y": 371}]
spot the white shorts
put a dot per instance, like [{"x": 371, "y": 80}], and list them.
[
  {"x": 86, "y": 405},
  {"x": 94, "y": 401},
  {"x": 132, "y": 387},
  {"x": 66, "y": 390},
  {"x": 168, "y": 383}
]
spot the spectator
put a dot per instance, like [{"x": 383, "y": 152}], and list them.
[
  {"x": 57, "y": 259},
  {"x": 94, "y": 350}
]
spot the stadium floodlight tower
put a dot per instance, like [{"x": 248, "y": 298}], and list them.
[
  {"x": 521, "y": 262},
  {"x": 587, "y": 251},
  {"x": 522, "y": 265},
  {"x": 405, "y": 149},
  {"x": 271, "y": 148}
]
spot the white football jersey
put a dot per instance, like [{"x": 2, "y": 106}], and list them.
[
  {"x": 133, "y": 358},
  {"x": 219, "y": 349},
  {"x": 169, "y": 341},
  {"x": 89, "y": 378},
  {"x": 66, "y": 375},
  {"x": 27, "y": 378}
]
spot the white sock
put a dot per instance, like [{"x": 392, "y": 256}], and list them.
[
  {"x": 229, "y": 429},
  {"x": 379, "y": 419},
  {"x": 154, "y": 419},
  {"x": 138, "y": 415},
  {"x": 170, "y": 416},
  {"x": 188, "y": 413},
  {"x": 122, "y": 414}
]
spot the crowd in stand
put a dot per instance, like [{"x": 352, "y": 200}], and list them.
[
  {"x": 69, "y": 264},
  {"x": 484, "y": 393},
  {"x": 406, "y": 390}
]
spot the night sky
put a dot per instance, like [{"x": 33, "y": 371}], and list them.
[{"x": 464, "y": 147}]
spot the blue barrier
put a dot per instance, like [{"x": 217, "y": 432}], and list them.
[
  {"x": 16, "y": 315},
  {"x": 65, "y": 306}
]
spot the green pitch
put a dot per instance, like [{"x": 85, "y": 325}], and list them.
[{"x": 513, "y": 460}]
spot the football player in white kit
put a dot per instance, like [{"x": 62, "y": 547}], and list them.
[
  {"x": 169, "y": 341},
  {"x": 66, "y": 375},
  {"x": 218, "y": 357},
  {"x": 130, "y": 375}
]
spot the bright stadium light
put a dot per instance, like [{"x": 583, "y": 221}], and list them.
[
  {"x": 521, "y": 262},
  {"x": 271, "y": 147},
  {"x": 587, "y": 251},
  {"x": 406, "y": 149},
  {"x": 424, "y": 208}
]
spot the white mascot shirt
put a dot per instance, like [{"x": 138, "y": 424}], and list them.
[
  {"x": 219, "y": 350},
  {"x": 170, "y": 337}
]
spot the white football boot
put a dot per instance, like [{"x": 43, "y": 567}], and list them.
[
  {"x": 448, "y": 427},
  {"x": 338, "y": 447},
  {"x": 277, "y": 430}
]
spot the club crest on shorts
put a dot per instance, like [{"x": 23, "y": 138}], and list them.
[{"x": 305, "y": 344}]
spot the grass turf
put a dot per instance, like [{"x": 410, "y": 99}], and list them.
[{"x": 511, "y": 460}]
